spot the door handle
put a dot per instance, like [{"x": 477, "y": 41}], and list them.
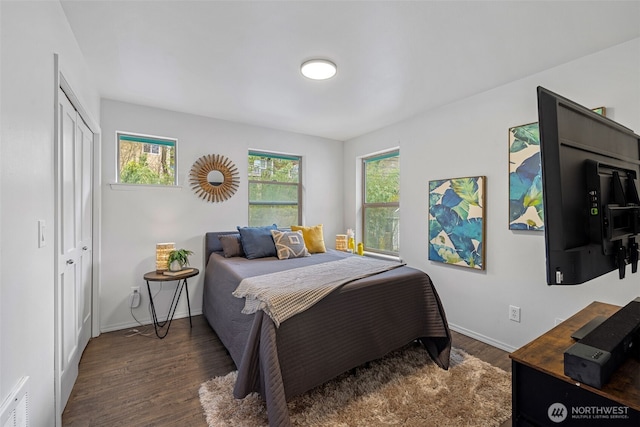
[
  {"x": 84, "y": 248},
  {"x": 69, "y": 261}
]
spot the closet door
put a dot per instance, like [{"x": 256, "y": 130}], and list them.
[
  {"x": 85, "y": 139},
  {"x": 73, "y": 246}
]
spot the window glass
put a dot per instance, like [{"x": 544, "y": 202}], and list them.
[
  {"x": 381, "y": 203},
  {"x": 274, "y": 189},
  {"x": 146, "y": 159}
]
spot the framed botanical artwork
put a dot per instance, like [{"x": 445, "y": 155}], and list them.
[
  {"x": 457, "y": 221},
  {"x": 525, "y": 177}
]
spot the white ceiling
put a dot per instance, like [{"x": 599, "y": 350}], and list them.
[{"x": 240, "y": 60}]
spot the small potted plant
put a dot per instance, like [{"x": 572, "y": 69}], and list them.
[{"x": 178, "y": 259}]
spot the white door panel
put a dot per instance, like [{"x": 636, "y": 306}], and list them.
[
  {"x": 85, "y": 265},
  {"x": 73, "y": 249},
  {"x": 67, "y": 172}
]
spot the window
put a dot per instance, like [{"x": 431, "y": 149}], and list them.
[
  {"x": 381, "y": 203},
  {"x": 146, "y": 159},
  {"x": 151, "y": 148},
  {"x": 274, "y": 189}
]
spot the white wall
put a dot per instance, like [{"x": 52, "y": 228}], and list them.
[
  {"x": 133, "y": 221},
  {"x": 31, "y": 32},
  {"x": 469, "y": 138}
]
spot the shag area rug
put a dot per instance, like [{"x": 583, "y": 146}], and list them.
[{"x": 405, "y": 388}]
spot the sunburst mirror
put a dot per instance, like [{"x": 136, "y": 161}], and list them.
[{"x": 214, "y": 178}]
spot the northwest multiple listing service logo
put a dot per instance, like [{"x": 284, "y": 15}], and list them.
[{"x": 558, "y": 413}]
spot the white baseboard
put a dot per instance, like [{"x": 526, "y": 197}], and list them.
[
  {"x": 459, "y": 329},
  {"x": 144, "y": 321},
  {"x": 482, "y": 338}
]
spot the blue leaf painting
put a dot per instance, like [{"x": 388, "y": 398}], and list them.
[
  {"x": 525, "y": 177},
  {"x": 525, "y": 200},
  {"x": 456, "y": 221}
]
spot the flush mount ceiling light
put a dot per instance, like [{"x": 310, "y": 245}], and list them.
[{"x": 318, "y": 69}]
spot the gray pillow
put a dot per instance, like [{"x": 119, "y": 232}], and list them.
[
  {"x": 231, "y": 246},
  {"x": 289, "y": 244}
]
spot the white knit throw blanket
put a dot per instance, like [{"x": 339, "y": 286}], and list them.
[{"x": 286, "y": 293}]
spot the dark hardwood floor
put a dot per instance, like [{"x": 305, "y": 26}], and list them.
[{"x": 129, "y": 379}]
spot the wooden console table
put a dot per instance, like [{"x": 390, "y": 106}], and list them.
[{"x": 544, "y": 396}]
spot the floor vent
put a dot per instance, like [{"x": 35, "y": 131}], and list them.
[{"x": 15, "y": 409}]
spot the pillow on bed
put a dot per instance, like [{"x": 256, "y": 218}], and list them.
[
  {"x": 313, "y": 238},
  {"x": 231, "y": 245},
  {"x": 289, "y": 244},
  {"x": 257, "y": 242}
]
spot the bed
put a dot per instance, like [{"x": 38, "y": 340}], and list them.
[{"x": 360, "y": 321}]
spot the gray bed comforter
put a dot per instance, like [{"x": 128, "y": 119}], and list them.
[{"x": 357, "y": 323}]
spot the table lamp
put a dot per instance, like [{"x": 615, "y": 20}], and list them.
[{"x": 162, "y": 255}]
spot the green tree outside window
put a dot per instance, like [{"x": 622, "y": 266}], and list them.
[
  {"x": 274, "y": 189},
  {"x": 381, "y": 203},
  {"x": 146, "y": 160}
]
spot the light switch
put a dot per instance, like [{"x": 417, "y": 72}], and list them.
[{"x": 41, "y": 236}]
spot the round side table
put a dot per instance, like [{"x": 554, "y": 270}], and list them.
[{"x": 153, "y": 276}]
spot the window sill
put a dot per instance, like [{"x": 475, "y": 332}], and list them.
[
  {"x": 383, "y": 256},
  {"x": 138, "y": 187}
]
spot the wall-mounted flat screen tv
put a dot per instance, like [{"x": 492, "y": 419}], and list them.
[{"x": 590, "y": 171}]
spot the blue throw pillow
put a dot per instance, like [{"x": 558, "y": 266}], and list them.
[{"x": 257, "y": 242}]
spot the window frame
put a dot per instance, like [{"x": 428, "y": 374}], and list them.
[
  {"x": 250, "y": 181},
  {"x": 145, "y": 139},
  {"x": 365, "y": 205}
]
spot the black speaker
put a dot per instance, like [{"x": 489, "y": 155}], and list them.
[{"x": 595, "y": 357}]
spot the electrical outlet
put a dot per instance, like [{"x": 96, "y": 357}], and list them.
[
  {"x": 514, "y": 313},
  {"x": 134, "y": 297}
]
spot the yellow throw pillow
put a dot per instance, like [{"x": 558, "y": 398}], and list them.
[{"x": 313, "y": 238}]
